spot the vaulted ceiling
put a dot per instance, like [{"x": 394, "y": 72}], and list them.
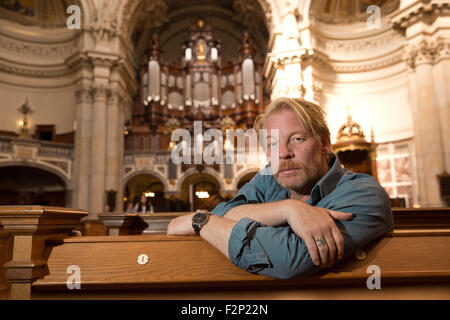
[
  {"x": 43, "y": 13},
  {"x": 171, "y": 20},
  {"x": 348, "y": 11}
]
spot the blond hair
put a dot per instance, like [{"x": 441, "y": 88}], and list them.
[{"x": 310, "y": 114}]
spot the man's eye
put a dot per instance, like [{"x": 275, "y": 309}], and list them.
[{"x": 297, "y": 139}]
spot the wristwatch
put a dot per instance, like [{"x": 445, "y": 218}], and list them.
[{"x": 199, "y": 219}]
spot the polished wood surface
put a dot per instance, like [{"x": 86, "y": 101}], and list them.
[
  {"x": 5, "y": 256},
  {"x": 414, "y": 263},
  {"x": 30, "y": 227},
  {"x": 181, "y": 265}
]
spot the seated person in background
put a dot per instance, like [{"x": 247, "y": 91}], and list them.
[
  {"x": 130, "y": 206},
  {"x": 144, "y": 205},
  {"x": 306, "y": 216}
]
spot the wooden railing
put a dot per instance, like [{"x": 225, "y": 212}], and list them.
[{"x": 41, "y": 254}]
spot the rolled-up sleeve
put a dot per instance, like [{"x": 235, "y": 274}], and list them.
[
  {"x": 371, "y": 208},
  {"x": 276, "y": 252}
]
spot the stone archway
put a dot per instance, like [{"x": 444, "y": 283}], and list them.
[
  {"x": 200, "y": 190},
  {"x": 145, "y": 183},
  {"x": 244, "y": 177},
  {"x": 24, "y": 184}
]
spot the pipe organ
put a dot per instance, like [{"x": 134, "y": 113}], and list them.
[{"x": 202, "y": 85}]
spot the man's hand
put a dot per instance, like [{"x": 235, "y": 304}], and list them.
[
  {"x": 316, "y": 226},
  {"x": 181, "y": 226}
]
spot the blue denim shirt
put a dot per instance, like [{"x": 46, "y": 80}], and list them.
[{"x": 278, "y": 252}]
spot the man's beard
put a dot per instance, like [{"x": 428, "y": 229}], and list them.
[{"x": 302, "y": 180}]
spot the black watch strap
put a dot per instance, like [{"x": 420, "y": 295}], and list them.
[{"x": 199, "y": 219}]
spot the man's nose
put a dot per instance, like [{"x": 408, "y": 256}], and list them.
[{"x": 285, "y": 152}]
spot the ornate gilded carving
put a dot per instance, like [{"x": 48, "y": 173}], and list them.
[{"x": 350, "y": 137}]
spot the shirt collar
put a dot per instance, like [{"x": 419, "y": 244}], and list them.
[{"x": 328, "y": 182}]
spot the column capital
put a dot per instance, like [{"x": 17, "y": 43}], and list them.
[
  {"x": 301, "y": 56},
  {"x": 427, "y": 51},
  {"x": 84, "y": 94},
  {"x": 101, "y": 92},
  {"x": 114, "y": 97}
]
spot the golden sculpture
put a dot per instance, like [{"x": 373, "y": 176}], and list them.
[
  {"x": 354, "y": 151},
  {"x": 200, "y": 51}
]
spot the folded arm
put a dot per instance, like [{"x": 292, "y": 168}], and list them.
[{"x": 264, "y": 238}]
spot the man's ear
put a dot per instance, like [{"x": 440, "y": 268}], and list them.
[{"x": 326, "y": 145}]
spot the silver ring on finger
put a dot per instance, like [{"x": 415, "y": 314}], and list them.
[{"x": 320, "y": 242}]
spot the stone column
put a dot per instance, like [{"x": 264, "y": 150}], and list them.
[
  {"x": 292, "y": 70},
  {"x": 312, "y": 60},
  {"x": 426, "y": 30},
  {"x": 82, "y": 147},
  {"x": 427, "y": 125},
  {"x": 441, "y": 74},
  {"x": 113, "y": 154},
  {"x": 98, "y": 151},
  {"x": 123, "y": 103}
]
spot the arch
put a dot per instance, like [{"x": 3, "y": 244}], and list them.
[
  {"x": 193, "y": 171},
  {"x": 38, "y": 165},
  {"x": 154, "y": 173},
  {"x": 128, "y": 9},
  {"x": 242, "y": 174},
  {"x": 33, "y": 184},
  {"x": 88, "y": 10}
]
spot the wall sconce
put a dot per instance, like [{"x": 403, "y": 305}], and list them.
[
  {"x": 25, "y": 109},
  {"x": 126, "y": 128},
  {"x": 149, "y": 194}
]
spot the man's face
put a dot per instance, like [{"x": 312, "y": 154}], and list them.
[{"x": 301, "y": 158}]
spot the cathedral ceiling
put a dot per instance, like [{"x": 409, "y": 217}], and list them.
[
  {"x": 171, "y": 20},
  {"x": 348, "y": 11},
  {"x": 43, "y": 13}
]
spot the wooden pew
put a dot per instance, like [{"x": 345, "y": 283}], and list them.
[
  {"x": 414, "y": 264},
  {"x": 132, "y": 223},
  {"x": 122, "y": 223},
  {"x": 421, "y": 217},
  {"x": 25, "y": 231}
]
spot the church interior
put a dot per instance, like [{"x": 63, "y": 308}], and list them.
[{"x": 87, "y": 114}]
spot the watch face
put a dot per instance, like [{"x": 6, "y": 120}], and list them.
[{"x": 200, "y": 218}]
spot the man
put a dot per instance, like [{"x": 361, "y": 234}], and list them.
[{"x": 309, "y": 214}]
